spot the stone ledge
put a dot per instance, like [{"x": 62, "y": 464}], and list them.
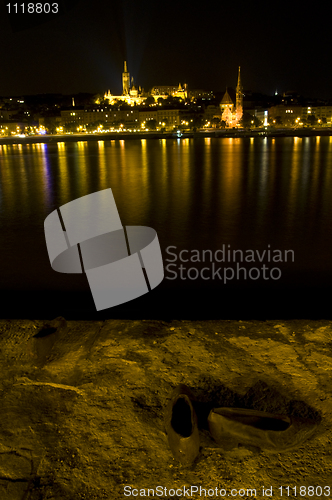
[{"x": 82, "y": 403}]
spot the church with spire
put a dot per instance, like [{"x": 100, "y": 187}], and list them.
[
  {"x": 229, "y": 113},
  {"x": 130, "y": 94}
]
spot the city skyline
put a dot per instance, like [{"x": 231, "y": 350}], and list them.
[{"x": 278, "y": 48}]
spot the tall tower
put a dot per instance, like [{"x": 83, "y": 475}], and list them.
[
  {"x": 239, "y": 98},
  {"x": 125, "y": 80}
]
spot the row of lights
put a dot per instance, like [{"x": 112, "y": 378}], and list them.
[{"x": 33, "y": 130}]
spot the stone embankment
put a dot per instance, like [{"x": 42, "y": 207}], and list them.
[
  {"x": 109, "y": 136},
  {"x": 82, "y": 405}
]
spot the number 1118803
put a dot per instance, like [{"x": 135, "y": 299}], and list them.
[
  {"x": 305, "y": 491},
  {"x": 32, "y": 8}
]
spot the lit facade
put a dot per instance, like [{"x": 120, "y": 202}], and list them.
[
  {"x": 323, "y": 114},
  {"x": 130, "y": 94},
  {"x": 287, "y": 115},
  {"x": 232, "y": 114},
  {"x": 164, "y": 118},
  {"x": 165, "y": 91},
  {"x": 136, "y": 118},
  {"x": 239, "y": 99},
  {"x": 133, "y": 95}
]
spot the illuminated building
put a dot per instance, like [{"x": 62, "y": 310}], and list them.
[
  {"x": 162, "y": 118},
  {"x": 323, "y": 114},
  {"x": 232, "y": 115},
  {"x": 164, "y": 91},
  {"x": 239, "y": 98},
  {"x": 130, "y": 94},
  {"x": 286, "y": 115},
  {"x": 125, "y": 80},
  {"x": 11, "y": 128},
  {"x": 212, "y": 116},
  {"x": 227, "y": 103}
]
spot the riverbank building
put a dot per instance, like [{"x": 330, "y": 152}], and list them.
[
  {"x": 130, "y": 93},
  {"x": 229, "y": 113}
]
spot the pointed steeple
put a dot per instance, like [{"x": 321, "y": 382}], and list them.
[
  {"x": 239, "y": 85},
  {"x": 125, "y": 80},
  {"x": 239, "y": 97},
  {"x": 227, "y": 98}
]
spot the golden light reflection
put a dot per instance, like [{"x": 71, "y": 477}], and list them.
[
  {"x": 102, "y": 165},
  {"x": 45, "y": 168},
  {"x": 129, "y": 171},
  {"x": 181, "y": 188},
  {"x": 171, "y": 165},
  {"x": 63, "y": 178},
  {"x": 207, "y": 178},
  {"x": 327, "y": 182},
  {"x": 144, "y": 163},
  {"x": 265, "y": 174},
  {"x": 82, "y": 174},
  {"x": 267, "y": 166},
  {"x": 314, "y": 195},
  {"x": 230, "y": 180},
  {"x": 163, "y": 161},
  {"x": 120, "y": 164},
  {"x": 8, "y": 181},
  {"x": 251, "y": 167},
  {"x": 296, "y": 170}
]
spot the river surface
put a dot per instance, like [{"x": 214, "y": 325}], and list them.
[{"x": 244, "y": 225}]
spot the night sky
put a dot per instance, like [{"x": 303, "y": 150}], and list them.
[{"x": 281, "y": 46}]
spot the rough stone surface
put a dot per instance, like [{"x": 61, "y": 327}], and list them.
[{"x": 82, "y": 405}]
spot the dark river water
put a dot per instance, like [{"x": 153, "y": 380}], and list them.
[{"x": 244, "y": 225}]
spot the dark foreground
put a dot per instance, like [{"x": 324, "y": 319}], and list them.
[{"x": 82, "y": 405}]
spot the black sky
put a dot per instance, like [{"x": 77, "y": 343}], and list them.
[{"x": 280, "y": 46}]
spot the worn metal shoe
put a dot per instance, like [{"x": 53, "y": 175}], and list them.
[
  {"x": 181, "y": 426},
  {"x": 230, "y": 427}
]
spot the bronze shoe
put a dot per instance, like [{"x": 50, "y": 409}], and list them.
[
  {"x": 230, "y": 427},
  {"x": 181, "y": 426}
]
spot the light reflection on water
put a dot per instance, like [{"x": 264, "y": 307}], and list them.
[{"x": 196, "y": 193}]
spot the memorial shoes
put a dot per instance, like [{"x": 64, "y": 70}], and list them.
[
  {"x": 181, "y": 426},
  {"x": 230, "y": 427}
]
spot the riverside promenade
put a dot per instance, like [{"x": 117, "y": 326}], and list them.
[{"x": 108, "y": 136}]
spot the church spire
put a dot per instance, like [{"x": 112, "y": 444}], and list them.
[
  {"x": 239, "y": 79},
  {"x": 239, "y": 97},
  {"x": 125, "y": 80}
]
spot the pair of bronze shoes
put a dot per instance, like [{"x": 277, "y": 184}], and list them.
[{"x": 230, "y": 427}]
